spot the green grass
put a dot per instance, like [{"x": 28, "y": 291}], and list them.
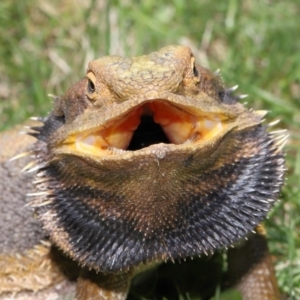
[{"x": 45, "y": 47}]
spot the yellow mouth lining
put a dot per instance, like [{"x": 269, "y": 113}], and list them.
[{"x": 179, "y": 126}]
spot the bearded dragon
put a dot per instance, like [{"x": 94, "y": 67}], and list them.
[{"x": 145, "y": 160}]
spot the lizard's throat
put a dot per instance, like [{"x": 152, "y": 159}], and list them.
[
  {"x": 147, "y": 133},
  {"x": 149, "y": 124}
]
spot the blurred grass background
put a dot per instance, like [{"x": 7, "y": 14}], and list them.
[{"x": 45, "y": 47}]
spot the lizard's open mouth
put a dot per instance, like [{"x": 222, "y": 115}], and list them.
[{"x": 151, "y": 123}]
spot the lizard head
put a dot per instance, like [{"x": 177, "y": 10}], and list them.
[{"x": 149, "y": 159}]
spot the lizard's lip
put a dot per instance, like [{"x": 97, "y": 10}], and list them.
[{"x": 176, "y": 127}]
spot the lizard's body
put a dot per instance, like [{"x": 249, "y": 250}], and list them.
[{"x": 119, "y": 203}]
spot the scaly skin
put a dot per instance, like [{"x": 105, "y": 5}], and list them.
[
  {"x": 145, "y": 160},
  {"x": 250, "y": 266}
]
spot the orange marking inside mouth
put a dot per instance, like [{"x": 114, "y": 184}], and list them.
[
  {"x": 119, "y": 135},
  {"x": 178, "y": 125}
]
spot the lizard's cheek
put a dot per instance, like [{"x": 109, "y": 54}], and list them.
[{"x": 152, "y": 123}]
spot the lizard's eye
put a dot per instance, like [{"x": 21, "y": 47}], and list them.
[
  {"x": 91, "y": 83},
  {"x": 91, "y": 86}
]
